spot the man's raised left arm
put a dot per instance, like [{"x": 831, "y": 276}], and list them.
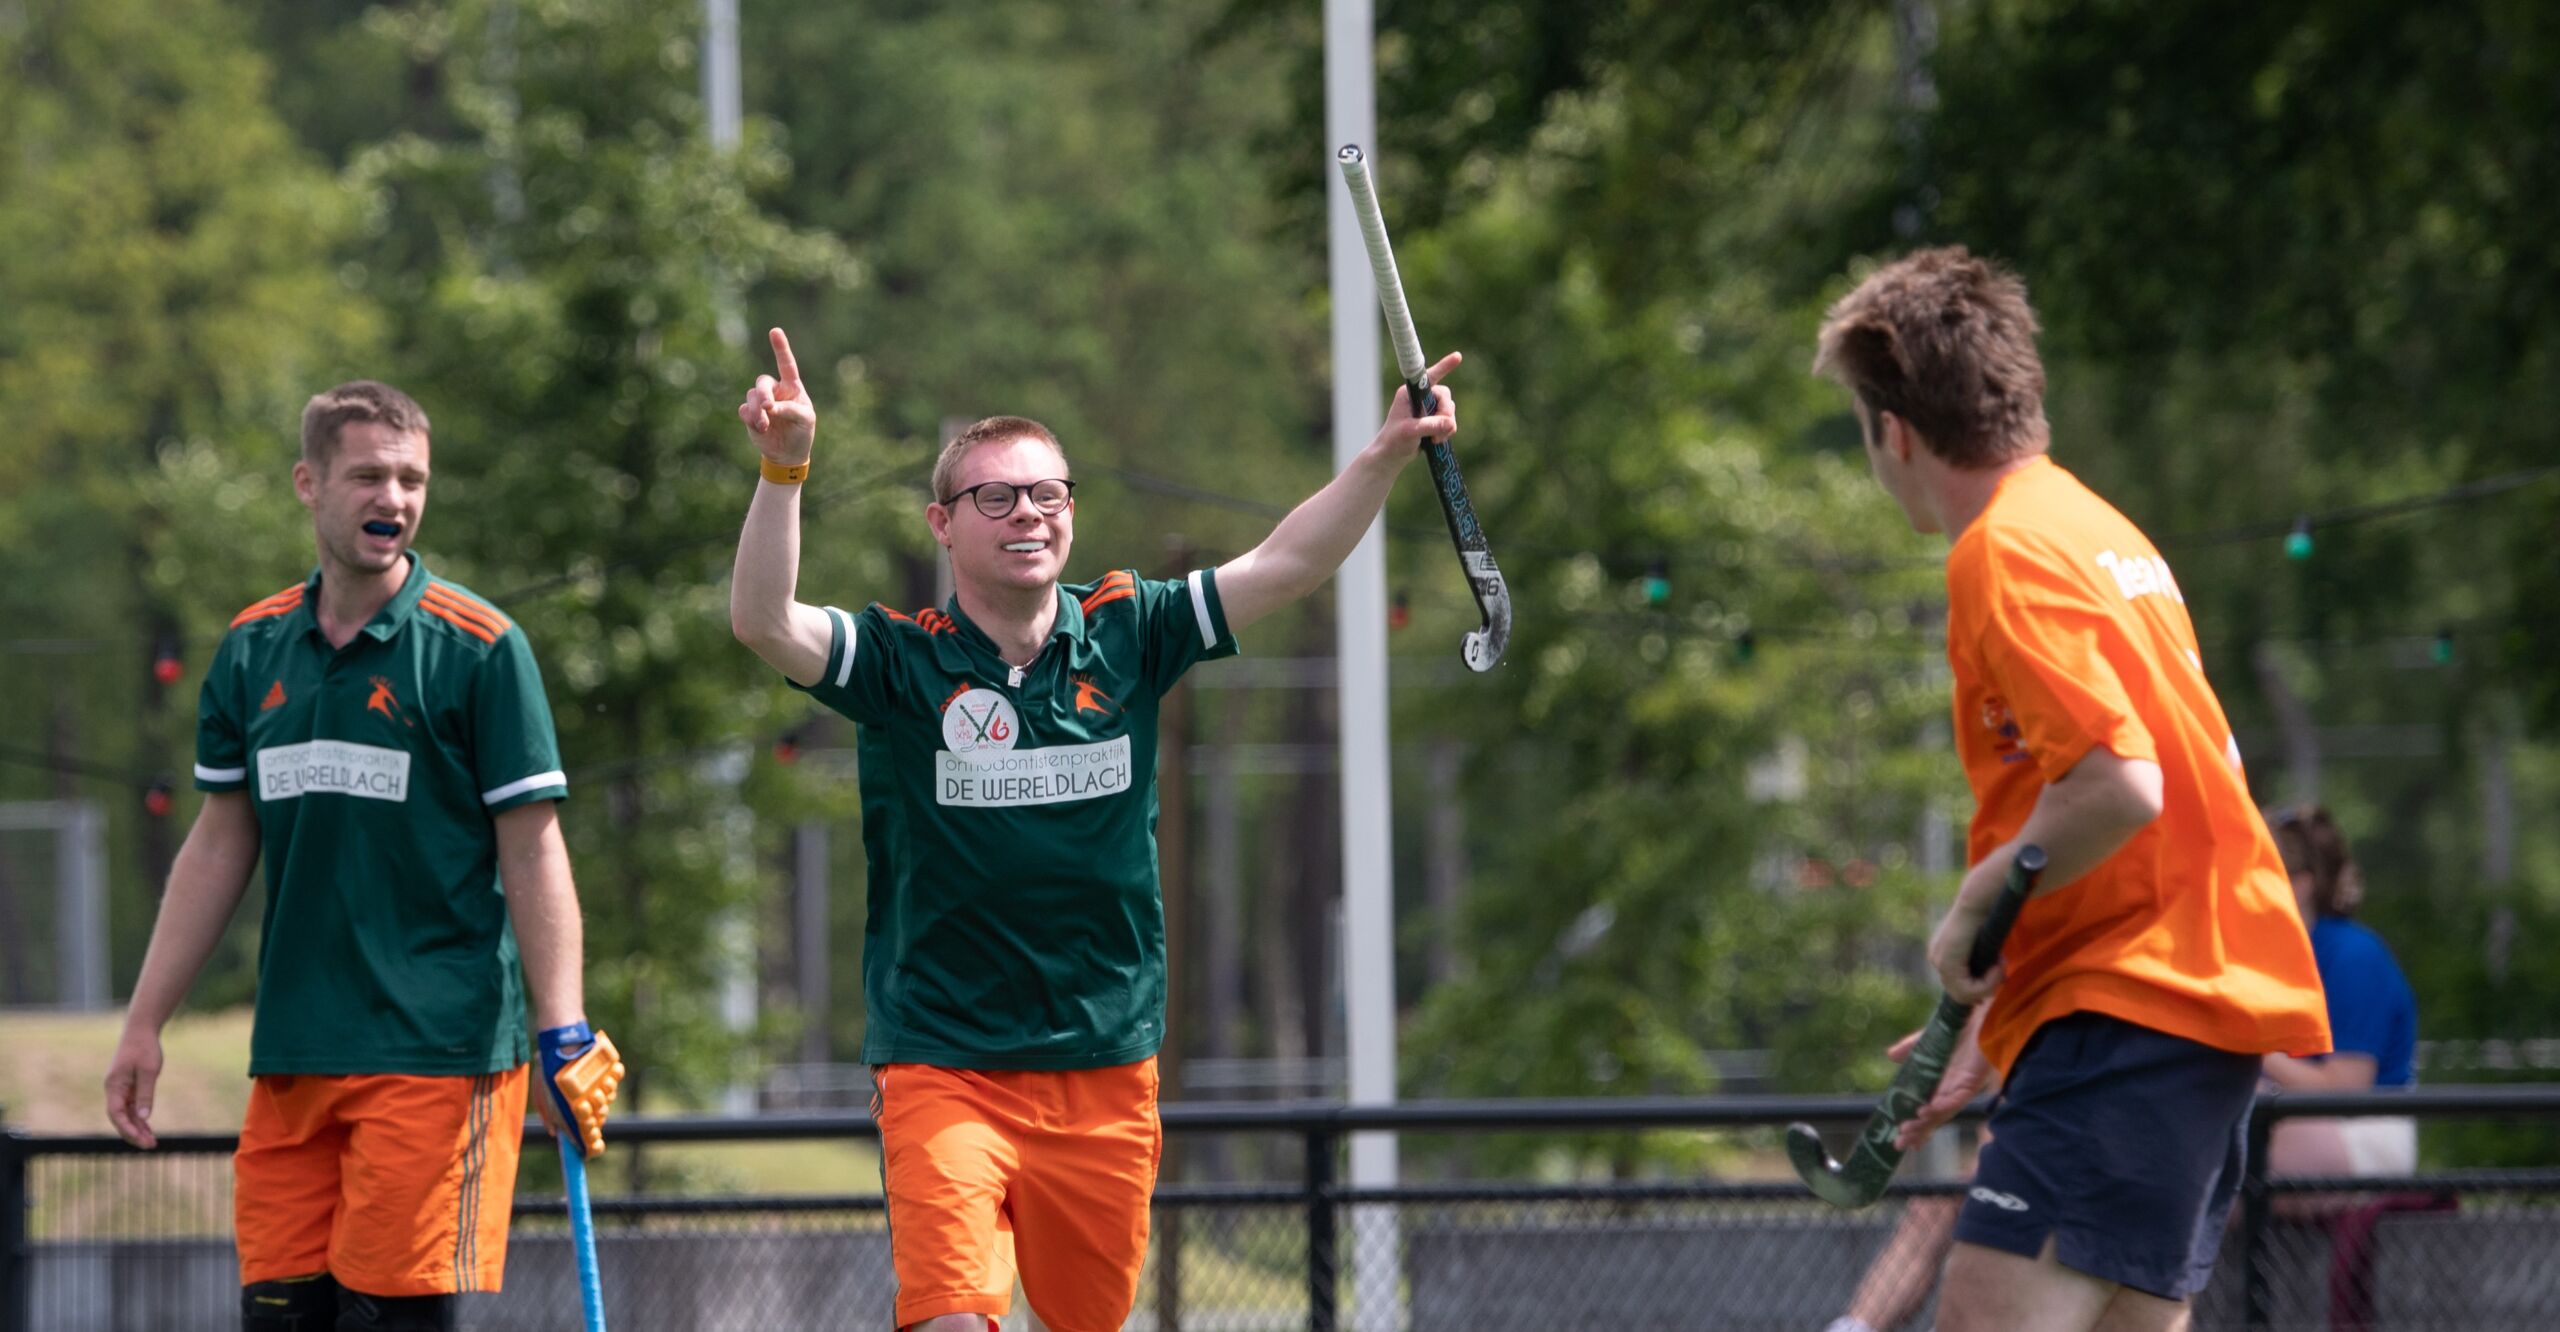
[{"x": 1318, "y": 535}]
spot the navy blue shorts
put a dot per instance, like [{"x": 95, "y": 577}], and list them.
[{"x": 2124, "y": 1145}]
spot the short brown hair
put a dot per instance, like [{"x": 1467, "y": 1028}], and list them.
[
  {"x": 993, "y": 430},
  {"x": 2311, "y": 842},
  {"x": 329, "y": 413},
  {"x": 1947, "y": 342}
]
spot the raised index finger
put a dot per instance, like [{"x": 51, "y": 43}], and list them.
[
  {"x": 783, "y": 364},
  {"x": 1441, "y": 371}
]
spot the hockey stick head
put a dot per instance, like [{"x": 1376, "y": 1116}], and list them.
[
  {"x": 1483, "y": 648},
  {"x": 1849, "y": 1186},
  {"x": 1860, "y": 1180}
]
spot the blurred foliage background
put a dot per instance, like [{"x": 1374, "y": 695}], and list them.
[{"x": 2293, "y": 262}]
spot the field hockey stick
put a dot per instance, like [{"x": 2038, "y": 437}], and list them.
[
  {"x": 586, "y": 1085},
  {"x": 1483, "y": 646},
  {"x": 1860, "y": 1180},
  {"x": 582, "y": 1235}
]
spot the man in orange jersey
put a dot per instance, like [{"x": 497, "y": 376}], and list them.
[
  {"x": 1013, "y": 968},
  {"x": 2162, "y": 954},
  {"x": 380, "y": 735}
]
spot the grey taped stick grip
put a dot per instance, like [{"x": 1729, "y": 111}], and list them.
[{"x": 1382, "y": 262}]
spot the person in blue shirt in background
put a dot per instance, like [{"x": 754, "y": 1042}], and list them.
[{"x": 2373, "y": 1018}]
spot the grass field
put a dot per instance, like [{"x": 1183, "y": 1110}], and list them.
[{"x": 53, "y": 1067}]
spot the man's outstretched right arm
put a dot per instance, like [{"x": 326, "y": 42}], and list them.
[
  {"x": 205, "y": 885},
  {"x": 765, "y": 611}
]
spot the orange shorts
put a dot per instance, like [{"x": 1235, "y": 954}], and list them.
[
  {"x": 393, "y": 1184},
  {"x": 973, "y": 1158}
]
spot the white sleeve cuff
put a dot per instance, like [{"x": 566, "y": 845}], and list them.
[
  {"x": 844, "y": 668},
  {"x": 516, "y": 788},
  {"x": 1200, "y": 610}
]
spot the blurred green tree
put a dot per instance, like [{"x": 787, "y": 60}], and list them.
[
  {"x": 1703, "y": 789},
  {"x": 169, "y": 293},
  {"x": 556, "y": 242}
]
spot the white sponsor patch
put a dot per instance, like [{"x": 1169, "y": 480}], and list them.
[
  {"x": 980, "y": 720},
  {"x": 333, "y": 767},
  {"x": 998, "y": 779}
]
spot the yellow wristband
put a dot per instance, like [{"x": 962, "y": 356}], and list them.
[{"x": 785, "y": 474}]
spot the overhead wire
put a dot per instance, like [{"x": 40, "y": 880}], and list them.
[
  {"x": 1899, "y": 641},
  {"x": 1635, "y": 560}
]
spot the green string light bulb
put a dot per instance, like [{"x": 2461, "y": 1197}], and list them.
[
  {"x": 1657, "y": 583},
  {"x": 2297, "y": 543}
]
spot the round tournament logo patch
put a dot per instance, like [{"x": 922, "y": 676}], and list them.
[{"x": 980, "y": 719}]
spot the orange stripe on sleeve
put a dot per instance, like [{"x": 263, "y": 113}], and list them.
[
  {"x": 464, "y": 615},
  {"x": 468, "y": 605},
  {"x": 472, "y": 627},
  {"x": 1114, "y": 585},
  {"x": 277, "y": 603}
]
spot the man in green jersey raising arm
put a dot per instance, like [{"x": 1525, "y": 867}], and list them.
[{"x": 1013, "y": 969}]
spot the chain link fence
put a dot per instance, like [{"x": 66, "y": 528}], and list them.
[{"x": 104, "y": 1239}]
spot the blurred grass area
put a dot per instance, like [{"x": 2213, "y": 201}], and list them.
[
  {"x": 724, "y": 1168},
  {"x": 53, "y": 1069}
]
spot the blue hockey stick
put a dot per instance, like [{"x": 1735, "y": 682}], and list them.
[{"x": 582, "y": 1235}]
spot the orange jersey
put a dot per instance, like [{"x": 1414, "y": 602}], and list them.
[{"x": 2066, "y": 632}]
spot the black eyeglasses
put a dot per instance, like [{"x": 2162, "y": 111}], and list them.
[{"x": 995, "y": 499}]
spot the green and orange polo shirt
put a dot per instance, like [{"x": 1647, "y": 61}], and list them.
[
  {"x": 376, "y": 771},
  {"x": 1008, "y": 818}
]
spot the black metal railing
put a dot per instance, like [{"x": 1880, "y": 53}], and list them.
[{"x": 96, "y": 1235}]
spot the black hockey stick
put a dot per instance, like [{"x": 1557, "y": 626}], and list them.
[
  {"x": 1860, "y": 1180},
  {"x": 1484, "y": 646}
]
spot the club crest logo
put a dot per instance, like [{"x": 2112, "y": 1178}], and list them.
[
  {"x": 2007, "y": 740},
  {"x": 980, "y": 720},
  {"x": 1090, "y": 698},
  {"x": 387, "y": 703}
]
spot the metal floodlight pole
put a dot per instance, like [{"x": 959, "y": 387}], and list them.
[
  {"x": 720, "y": 70},
  {"x": 1360, "y": 618},
  {"x": 723, "y": 115}
]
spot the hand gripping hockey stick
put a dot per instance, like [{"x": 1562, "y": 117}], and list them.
[
  {"x": 1483, "y": 646},
  {"x": 1860, "y": 1180}
]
